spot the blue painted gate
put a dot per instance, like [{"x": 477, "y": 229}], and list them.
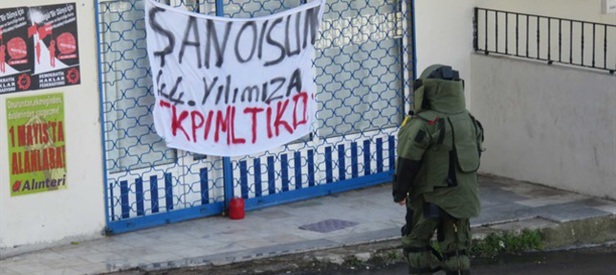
[{"x": 363, "y": 67}]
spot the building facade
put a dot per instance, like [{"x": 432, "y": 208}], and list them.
[{"x": 94, "y": 162}]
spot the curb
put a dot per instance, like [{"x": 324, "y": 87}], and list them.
[
  {"x": 555, "y": 236},
  {"x": 558, "y": 235}
]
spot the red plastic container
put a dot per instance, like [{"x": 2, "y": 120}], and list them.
[{"x": 236, "y": 209}]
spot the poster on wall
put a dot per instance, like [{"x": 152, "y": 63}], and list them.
[
  {"x": 230, "y": 87},
  {"x": 37, "y": 154},
  {"x": 15, "y": 54},
  {"x": 38, "y": 48}
]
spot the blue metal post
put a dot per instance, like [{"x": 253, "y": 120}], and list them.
[
  {"x": 219, "y": 8},
  {"x": 102, "y": 110},
  {"x": 227, "y": 167}
]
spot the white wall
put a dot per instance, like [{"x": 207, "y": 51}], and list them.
[
  {"x": 444, "y": 35},
  {"x": 77, "y": 213},
  {"x": 444, "y": 28},
  {"x": 584, "y": 10},
  {"x": 547, "y": 37},
  {"x": 550, "y": 125},
  {"x": 553, "y": 125}
]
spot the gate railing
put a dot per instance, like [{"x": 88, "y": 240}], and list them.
[
  {"x": 364, "y": 64},
  {"x": 549, "y": 39}
]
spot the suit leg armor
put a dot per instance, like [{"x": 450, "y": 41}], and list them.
[
  {"x": 416, "y": 244},
  {"x": 455, "y": 245}
]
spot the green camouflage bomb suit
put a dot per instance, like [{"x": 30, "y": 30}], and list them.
[{"x": 438, "y": 156}]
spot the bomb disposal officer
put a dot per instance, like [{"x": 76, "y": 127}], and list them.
[{"x": 436, "y": 175}]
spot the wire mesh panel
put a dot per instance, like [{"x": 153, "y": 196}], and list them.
[
  {"x": 362, "y": 69},
  {"x": 146, "y": 182}
]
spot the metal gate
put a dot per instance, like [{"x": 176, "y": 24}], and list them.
[{"x": 363, "y": 68}]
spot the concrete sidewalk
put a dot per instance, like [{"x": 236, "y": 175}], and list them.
[{"x": 356, "y": 217}]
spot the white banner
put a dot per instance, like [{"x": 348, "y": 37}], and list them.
[{"x": 230, "y": 87}]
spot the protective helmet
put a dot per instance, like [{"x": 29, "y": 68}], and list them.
[{"x": 438, "y": 88}]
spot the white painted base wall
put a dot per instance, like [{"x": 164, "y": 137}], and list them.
[
  {"x": 552, "y": 125},
  {"x": 52, "y": 218}
]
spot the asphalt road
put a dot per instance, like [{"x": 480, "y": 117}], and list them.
[
  {"x": 596, "y": 261},
  {"x": 600, "y": 260}
]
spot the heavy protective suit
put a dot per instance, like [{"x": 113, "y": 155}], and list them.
[{"x": 438, "y": 156}]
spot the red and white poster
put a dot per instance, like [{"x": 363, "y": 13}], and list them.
[
  {"x": 15, "y": 50},
  {"x": 38, "y": 48}
]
